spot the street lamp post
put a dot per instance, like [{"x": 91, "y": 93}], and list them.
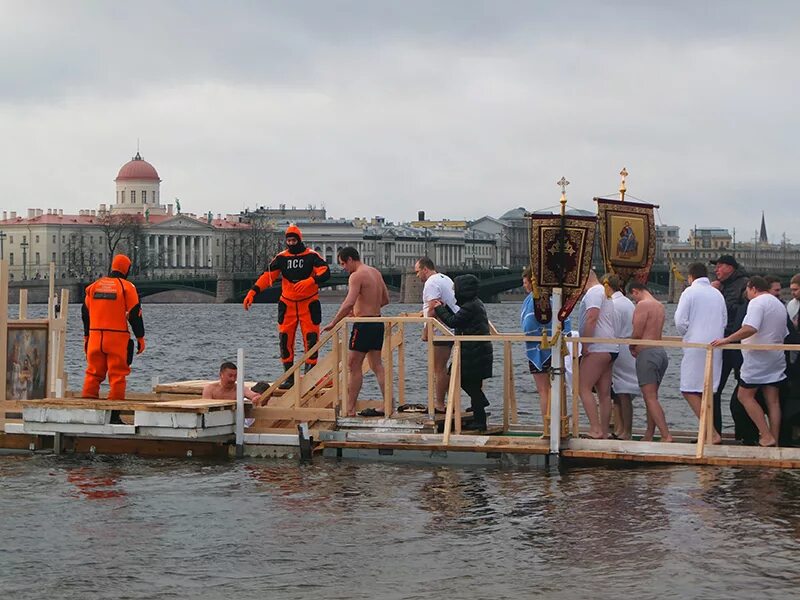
[
  {"x": 24, "y": 245},
  {"x": 2, "y": 237}
]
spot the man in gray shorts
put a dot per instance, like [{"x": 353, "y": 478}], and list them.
[
  {"x": 651, "y": 361},
  {"x": 651, "y": 364}
]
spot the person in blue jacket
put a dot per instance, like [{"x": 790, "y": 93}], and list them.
[{"x": 538, "y": 358}]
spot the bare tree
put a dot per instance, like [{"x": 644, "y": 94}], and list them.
[
  {"x": 122, "y": 234},
  {"x": 259, "y": 243}
]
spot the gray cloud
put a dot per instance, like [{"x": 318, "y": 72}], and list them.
[{"x": 459, "y": 108}]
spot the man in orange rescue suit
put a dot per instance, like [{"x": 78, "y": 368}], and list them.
[
  {"x": 302, "y": 271},
  {"x": 111, "y": 302}
]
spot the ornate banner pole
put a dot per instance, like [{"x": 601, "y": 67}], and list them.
[{"x": 557, "y": 361}]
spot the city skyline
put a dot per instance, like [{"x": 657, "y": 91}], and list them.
[{"x": 385, "y": 109}]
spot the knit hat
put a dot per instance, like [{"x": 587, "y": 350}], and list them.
[
  {"x": 295, "y": 231},
  {"x": 726, "y": 259},
  {"x": 121, "y": 264}
]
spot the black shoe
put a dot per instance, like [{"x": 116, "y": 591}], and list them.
[
  {"x": 288, "y": 383},
  {"x": 116, "y": 419},
  {"x": 307, "y": 367},
  {"x": 260, "y": 387}
]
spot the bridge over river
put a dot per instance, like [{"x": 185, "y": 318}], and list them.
[{"x": 232, "y": 287}]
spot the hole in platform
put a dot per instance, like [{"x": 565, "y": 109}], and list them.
[{"x": 385, "y": 452}]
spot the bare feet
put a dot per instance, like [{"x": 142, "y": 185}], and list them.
[
  {"x": 767, "y": 441},
  {"x": 716, "y": 439},
  {"x": 668, "y": 439}
]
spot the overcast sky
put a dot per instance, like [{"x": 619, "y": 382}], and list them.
[{"x": 372, "y": 108}]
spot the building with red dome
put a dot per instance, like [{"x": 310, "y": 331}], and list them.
[{"x": 138, "y": 189}]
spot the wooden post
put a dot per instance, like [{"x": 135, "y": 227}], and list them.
[
  {"x": 62, "y": 347},
  {"x": 240, "y": 402},
  {"x": 431, "y": 385},
  {"x": 51, "y": 293},
  {"x": 23, "y": 303},
  {"x": 401, "y": 366},
  {"x": 508, "y": 384},
  {"x": 706, "y": 403},
  {"x": 576, "y": 382},
  {"x": 335, "y": 377},
  {"x": 388, "y": 370},
  {"x": 3, "y": 338},
  {"x": 453, "y": 392},
  {"x": 345, "y": 358},
  {"x": 457, "y": 395},
  {"x": 512, "y": 399},
  {"x": 295, "y": 389}
]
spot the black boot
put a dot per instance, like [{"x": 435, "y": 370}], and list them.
[
  {"x": 479, "y": 419},
  {"x": 289, "y": 382}
]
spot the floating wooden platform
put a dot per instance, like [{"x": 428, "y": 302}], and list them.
[
  {"x": 174, "y": 420},
  {"x": 189, "y": 418},
  {"x": 504, "y": 448}
]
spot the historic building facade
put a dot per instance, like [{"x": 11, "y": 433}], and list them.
[{"x": 163, "y": 241}]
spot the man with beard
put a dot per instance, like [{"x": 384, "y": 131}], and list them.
[
  {"x": 731, "y": 281},
  {"x": 302, "y": 270}
]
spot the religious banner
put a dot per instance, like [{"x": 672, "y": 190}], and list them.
[
  {"x": 561, "y": 256},
  {"x": 627, "y": 238}
]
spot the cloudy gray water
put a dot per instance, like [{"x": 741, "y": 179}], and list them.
[{"x": 124, "y": 527}]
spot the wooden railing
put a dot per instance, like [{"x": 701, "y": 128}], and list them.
[
  {"x": 335, "y": 361},
  {"x": 706, "y": 420}
]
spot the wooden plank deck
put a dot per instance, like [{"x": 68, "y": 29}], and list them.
[
  {"x": 193, "y": 405},
  {"x": 577, "y": 449}
]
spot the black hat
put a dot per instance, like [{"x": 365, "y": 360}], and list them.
[{"x": 726, "y": 259}]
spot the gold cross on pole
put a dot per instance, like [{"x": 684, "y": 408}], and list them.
[
  {"x": 563, "y": 183},
  {"x": 622, "y": 188}
]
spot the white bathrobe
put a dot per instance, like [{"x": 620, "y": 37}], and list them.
[
  {"x": 623, "y": 375},
  {"x": 701, "y": 317}
]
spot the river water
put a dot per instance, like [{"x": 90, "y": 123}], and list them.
[{"x": 124, "y": 527}]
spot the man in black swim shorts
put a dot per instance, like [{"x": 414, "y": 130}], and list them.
[
  {"x": 366, "y": 336},
  {"x": 366, "y": 295}
]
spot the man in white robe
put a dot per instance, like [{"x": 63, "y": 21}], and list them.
[{"x": 701, "y": 317}]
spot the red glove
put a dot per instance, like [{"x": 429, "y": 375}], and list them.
[
  {"x": 140, "y": 345},
  {"x": 248, "y": 300},
  {"x": 85, "y": 344}
]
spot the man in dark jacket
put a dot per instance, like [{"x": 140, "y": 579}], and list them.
[
  {"x": 732, "y": 282},
  {"x": 476, "y": 357}
]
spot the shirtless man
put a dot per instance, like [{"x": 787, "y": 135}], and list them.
[
  {"x": 366, "y": 294},
  {"x": 651, "y": 361},
  {"x": 225, "y": 388}
]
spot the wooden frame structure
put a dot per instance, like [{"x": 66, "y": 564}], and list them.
[
  {"x": 56, "y": 327},
  {"x": 317, "y": 398}
]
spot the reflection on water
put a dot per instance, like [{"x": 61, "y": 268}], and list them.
[{"x": 101, "y": 527}]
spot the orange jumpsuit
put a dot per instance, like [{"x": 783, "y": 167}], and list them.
[
  {"x": 302, "y": 272},
  {"x": 110, "y": 303}
]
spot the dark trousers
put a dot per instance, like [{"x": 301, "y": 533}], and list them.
[
  {"x": 478, "y": 399},
  {"x": 731, "y": 361}
]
